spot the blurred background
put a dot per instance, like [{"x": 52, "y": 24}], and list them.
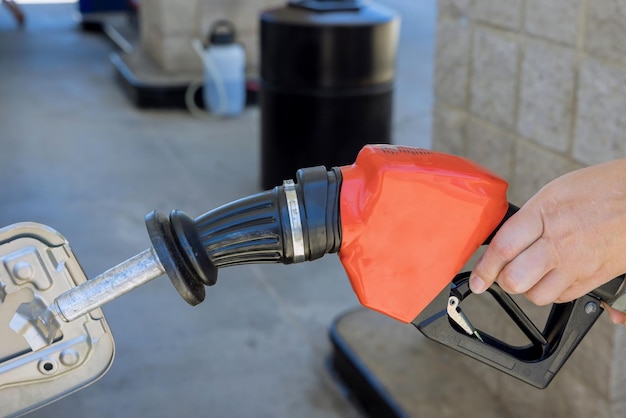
[
  {"x": 106, "y": 115},
  {"x": 82, "y": 154}
]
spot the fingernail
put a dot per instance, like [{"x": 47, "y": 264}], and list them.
[
  {"x": 614, "y": 315},
  {"x": 477, "y": 285}
]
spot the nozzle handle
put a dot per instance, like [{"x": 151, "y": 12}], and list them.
[{"x": 536, "y": 363}]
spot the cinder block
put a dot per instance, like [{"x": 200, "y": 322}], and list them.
[
  {"x": 503, "y": 14},
  {"x": 494, "y": 77},
  {"x": 152, "y": 44},
  {"x": 178, "y": 56},
  {"x": 555, "y": 20},
  {"x": 179, "y": 17},
  {"x": 534, "y": 167},
  {"x": 150, "y": 36},
  {"x": 600, "y": 133},
  {"x": 448, "y": 129},
  {"x": 452, "y": 61},
  {"x": 150, "y": 14},
  {"x": 606, "y": 29},
  {"x": 172, "y": 17},
  {"x": 491, "y": 147},
  {"x": 453, "y": 8},
  {"x": 167, "y": 28},
  {"x": 547, "y": 95},
  {"x": 151, "y": 41}
]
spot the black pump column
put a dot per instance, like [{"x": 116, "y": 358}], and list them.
[{"x": 327, "y": 73}]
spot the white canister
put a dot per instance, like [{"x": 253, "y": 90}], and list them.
[{"x": 224, "y": 71}]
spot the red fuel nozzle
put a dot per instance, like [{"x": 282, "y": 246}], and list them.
[
  {"x": 404, "y": 221},
  {"x": 410, "y": 219}
]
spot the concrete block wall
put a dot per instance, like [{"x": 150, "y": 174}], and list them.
[
  {"x": 533, "y": 89},
  {"x": 168, "y": 26}
]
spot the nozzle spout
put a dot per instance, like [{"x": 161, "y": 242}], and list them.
[
  {"x": 295, "y": 222},
  {"x": 108, "y": 286},
  {"x": 291, "y": 223}
]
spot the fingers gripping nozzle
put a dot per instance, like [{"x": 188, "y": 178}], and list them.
[{"x": 291, "y": 223}]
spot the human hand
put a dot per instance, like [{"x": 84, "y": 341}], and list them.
[
  {"x": 567, "y": 240},
  {"x": 616, "y": 316}
]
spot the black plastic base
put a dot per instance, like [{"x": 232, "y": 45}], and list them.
[
  {"x": 145, "y": 94},
  {"x": 145, "y": 83},
  {"x": 169, "y": 95},
  {"x": 354, "y": 375},
  {"x": 390, "y": 370}
]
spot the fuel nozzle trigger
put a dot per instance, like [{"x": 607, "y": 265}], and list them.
[
  {"x": 548, "y": 347},
  {"x": 458, "y": 316},
  {"x": 535, "y": 363}
]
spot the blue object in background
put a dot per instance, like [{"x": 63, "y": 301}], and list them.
[{"x": 99, "y": 6}]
